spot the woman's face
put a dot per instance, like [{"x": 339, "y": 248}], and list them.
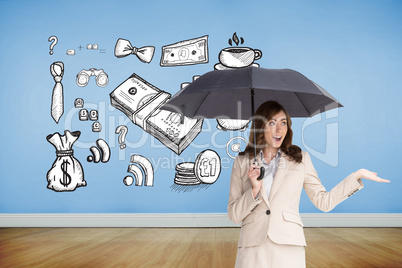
[{"x": 275, "y": 130}]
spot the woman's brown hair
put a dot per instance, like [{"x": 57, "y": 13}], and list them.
[{"x": 264, "y": 113}]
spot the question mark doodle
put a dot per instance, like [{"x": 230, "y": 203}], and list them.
[
  {"x": 54, "y": 41},
  {"x": 123, "y": 132}
]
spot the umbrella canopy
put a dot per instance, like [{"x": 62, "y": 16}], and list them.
[{"x": 225, "y": 94}]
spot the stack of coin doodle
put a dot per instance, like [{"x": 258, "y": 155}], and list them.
[
  {"x": 206, "y": 169},
  {"x": 185, "y": 174}
]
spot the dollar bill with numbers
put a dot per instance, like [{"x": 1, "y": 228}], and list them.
[{"x": 188, "y": 52}]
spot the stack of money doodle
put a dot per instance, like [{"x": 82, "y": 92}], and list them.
[{"x": 185, "y": 174}]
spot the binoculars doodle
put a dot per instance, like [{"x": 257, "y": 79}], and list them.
[{"x": 100, "y": 76}]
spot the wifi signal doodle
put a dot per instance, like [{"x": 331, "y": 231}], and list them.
[
  {"x": 99, "y": 154},
  {"x": 145, "y": 174}
]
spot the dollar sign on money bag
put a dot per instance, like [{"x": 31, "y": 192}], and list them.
[
  {"x": 66, "y": 173},
  {"x": 66, "y": 177}
]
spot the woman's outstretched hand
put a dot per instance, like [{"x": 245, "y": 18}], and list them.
[{"x": 369, "y": 175}]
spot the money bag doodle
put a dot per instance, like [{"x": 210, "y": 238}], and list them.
[{"x": 66, "y": 173}]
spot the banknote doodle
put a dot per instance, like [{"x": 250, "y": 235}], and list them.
[
  {"x": 140, "y": 102},
  {"x": 123, "y": 48},
  {"x": 195, "y": 175},
  {"x": 99, "y": 153},
  {"x": 146, "y": 176},
  {"x": 101, "y": 78},
  {"x": 66, "y": 173},
  {"x": 188, "y": 52}
]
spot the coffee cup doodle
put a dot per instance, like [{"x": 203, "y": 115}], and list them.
[{"x": 238, "y": 57}]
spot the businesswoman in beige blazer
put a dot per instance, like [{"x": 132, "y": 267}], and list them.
[{"x": 271, "y": 232}]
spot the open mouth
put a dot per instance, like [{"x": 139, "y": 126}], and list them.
[{"x": 277, "y": 138}]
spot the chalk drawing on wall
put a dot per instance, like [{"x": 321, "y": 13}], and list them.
[
  {"x": 204, "y": 171},
  {"x": 232, "y": 124},
  {"x": 79, "y": 103},
  {"x": 123, "y": 48},
  {"x": 101, "y": 78},
  {"x": 66, "y": 173},
  {"x": 83, "y": 115},
  {"x": 92, "y": 46},
  {"x": 57, "y": 106},
  {"x": 233, "y": 146},
  {"x": 70, "y": 52},
  {"x": 188, "y": 52},
  {"x": 234, "y": 58},
  {"x": 167, "y": 127},
  {"x": 237, "y": 57},
  {"x": 185, "y": 174},
  {"x": 146, "y": 175},
  {"x": 96, "y": 127},
  {"x": 122, "y": 131},
  {"x": 140, "y": 102},
  {"x": 136, "y": 171},
  {"x": 54, "y": 40},
  {"x": 207, "y": 166},
  {"x": 93, "y": 115},
  {"x": 137, "y": 99},
  {"x": 183, "y": 85},
  {"x": 101, "y": 153}
]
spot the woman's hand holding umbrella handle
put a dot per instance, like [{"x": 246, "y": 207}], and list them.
[
  {"x": 253, "y": 174},
  {"x": 369, "y": 175}
]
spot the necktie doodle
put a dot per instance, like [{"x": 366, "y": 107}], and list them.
[{"x": 57, "y": 71}]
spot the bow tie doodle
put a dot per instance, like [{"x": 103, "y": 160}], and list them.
[
  {"x": 57, "y": 71},
  {"x": 124, "y": 48}
]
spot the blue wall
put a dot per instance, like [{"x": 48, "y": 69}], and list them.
[{"x": 351, "y": 48}]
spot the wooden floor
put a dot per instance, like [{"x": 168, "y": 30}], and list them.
[{"x": 186, "y": 247}]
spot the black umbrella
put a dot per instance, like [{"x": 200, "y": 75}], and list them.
[{"x": 225, "y": 94}]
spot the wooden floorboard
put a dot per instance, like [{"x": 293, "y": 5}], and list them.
[{"x": 186, "y": 247}]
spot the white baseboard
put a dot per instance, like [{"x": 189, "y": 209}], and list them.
[{"x": 190, "y": 220}]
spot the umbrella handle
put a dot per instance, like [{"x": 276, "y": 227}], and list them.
[{"x": 262, "y": 173}]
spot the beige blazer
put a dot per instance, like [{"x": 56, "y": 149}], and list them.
[{"x": 278, "y": 216}]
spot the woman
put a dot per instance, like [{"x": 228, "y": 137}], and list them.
[{"x": 271, "y": 232}]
